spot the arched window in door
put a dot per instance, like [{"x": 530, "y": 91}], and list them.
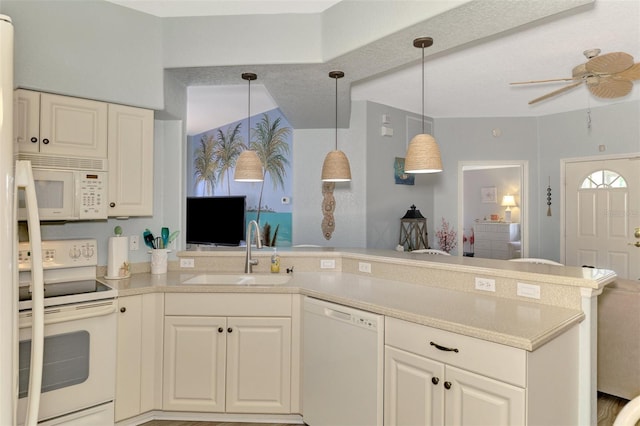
[{"x": 603, "y": 179}]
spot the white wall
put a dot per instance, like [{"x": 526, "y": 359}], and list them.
[
  {"x": 506, "y": 181},
  {"x": 471, "y": 139},
  {"x": 386, "y": 201},
  {"x": 567, "y": 135},
  {"x": 309, "y": 149},
  {"x": 89, "y": 49}
]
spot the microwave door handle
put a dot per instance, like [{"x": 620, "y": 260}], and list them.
[{"x": 24, "y": 179}]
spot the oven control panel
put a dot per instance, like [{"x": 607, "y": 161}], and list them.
[{"x": 58, "y": 254}]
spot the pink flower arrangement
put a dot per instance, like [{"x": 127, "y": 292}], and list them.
[{"x": 447, "y": 238}]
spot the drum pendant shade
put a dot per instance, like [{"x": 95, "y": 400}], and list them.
[
  {"x": 336, "y": 167},
  {"x": 248, "y": 164},
  {"x": 423, "y": 154}
]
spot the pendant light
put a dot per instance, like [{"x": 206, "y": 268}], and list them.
[
  {"x": 248, "y": 165},
  {"x": 336, "y": 164},
  {"x": 423, "y": 154}
]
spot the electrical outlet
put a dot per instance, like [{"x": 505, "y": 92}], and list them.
[
  {"x": 364, "y": 267},
  {"x": 134, "y": 242},
  {"x": 187, "y": 263},
  {"x": 528, "y": 290},
  {"x": 485, "y": 284},
  {"x": 327, "y": 263}
]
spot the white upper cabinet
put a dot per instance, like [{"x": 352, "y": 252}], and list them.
[
  {"x": 130, "y": 161},
  {"x": 60, "y": 125}
]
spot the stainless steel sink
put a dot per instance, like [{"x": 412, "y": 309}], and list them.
[{"x": 238, "y": 279}]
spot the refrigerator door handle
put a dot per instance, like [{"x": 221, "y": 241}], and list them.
[{"x": 24, "y": 179}]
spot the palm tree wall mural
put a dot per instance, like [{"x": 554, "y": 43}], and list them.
[
  {"x": 214, "y": 154},
  {"x": 204, "y": 165},
  {"x": 228, "y": 147}
]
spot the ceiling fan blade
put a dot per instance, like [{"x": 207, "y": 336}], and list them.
[
  {"x": 610, "y": 87},
  {"x": 609, "y": 63},
  {"x": 542, "y": 81},
  {"x": 632, "y": 73},
  {"x": 556, "y": 92}
]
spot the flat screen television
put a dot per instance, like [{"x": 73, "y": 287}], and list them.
[{"x": 217, "y": 221}]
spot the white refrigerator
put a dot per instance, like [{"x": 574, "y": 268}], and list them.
[{"x": 14, "y": 175}]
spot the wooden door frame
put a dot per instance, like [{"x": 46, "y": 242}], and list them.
[{"x": 563, "y": 194}]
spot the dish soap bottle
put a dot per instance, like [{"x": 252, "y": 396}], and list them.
[{"x": 275, "y": 261}]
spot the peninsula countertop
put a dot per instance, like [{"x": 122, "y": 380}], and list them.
[{"x": 516, "y": 323}]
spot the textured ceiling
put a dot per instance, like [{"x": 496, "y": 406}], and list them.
[{"x": 478, "y": 49}]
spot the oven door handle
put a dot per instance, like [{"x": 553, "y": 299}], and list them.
[{"x": 71, "y": 313}]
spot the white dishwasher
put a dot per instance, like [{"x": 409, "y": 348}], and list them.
[{"x": 342, "y": 365}]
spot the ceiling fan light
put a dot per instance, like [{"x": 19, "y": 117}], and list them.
[
  {"x": 248, "y": 167},
  {"x": 423, "y": 155},
  {"x": 336, "y": 167}
]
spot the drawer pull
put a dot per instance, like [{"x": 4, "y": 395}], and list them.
[
  {"x": 435, "y": 380},
  {"x": 447, "y": 385},
  {"x": 444, "y": 348}
]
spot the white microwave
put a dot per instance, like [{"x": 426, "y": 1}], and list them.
[{"x": 68, "y": 195}]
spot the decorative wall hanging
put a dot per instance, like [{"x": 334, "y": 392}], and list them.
[
  {"x": 400, "y": 177},
  {"x": 328, "y": 207},
  {"x": 489, "y": 194},
  {"x": 549, "y": 198}
]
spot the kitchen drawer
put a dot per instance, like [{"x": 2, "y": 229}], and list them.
[
  {"x": 227, "y": 304},
  {"x": 486, "y": 358}
]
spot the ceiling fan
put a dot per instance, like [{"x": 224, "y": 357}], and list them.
[{"x": 608, "y": 76}]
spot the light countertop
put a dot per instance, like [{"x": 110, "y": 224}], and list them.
[{"x": 517, "y": 323}]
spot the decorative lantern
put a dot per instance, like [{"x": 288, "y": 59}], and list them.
[{"x": 413, "y": 230}]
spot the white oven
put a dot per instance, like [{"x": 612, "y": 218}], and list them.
[{"x": 78, "y": 379}]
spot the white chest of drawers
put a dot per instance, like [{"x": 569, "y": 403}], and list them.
[{"x": 495, "y": 240}]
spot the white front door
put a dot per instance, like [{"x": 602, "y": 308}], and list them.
[{"x": 602, "y": 211}]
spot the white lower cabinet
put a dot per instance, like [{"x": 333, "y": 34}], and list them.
[
  {"x": 139, "y": 355},
  {"x": 234, "y": 364},
  {"x": 434, "y": 377}
]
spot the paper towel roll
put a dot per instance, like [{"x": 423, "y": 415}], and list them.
[{"x": 118, "y": 258}]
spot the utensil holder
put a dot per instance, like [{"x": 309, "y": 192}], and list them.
[{"x": 159, "y": 261}]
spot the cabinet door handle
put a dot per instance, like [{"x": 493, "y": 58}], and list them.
[
  {"x": 34, "y": 139},
  {"x": 435, "y": 380},
  {"x": 447, "y": 385},
  {"x": 229, "y": 329},
  {"x": 220, "y": 329},
  {"x": 123, "y": 309},
  {"x": 112, "y": 204},
  {"x": 444, "y": 348},
  {"x": 45, "y": 141}
]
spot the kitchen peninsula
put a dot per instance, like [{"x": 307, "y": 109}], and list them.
[{"x": 543, "y": 317}]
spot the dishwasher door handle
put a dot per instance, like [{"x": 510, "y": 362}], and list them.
[{"x": 332, "y": 313}]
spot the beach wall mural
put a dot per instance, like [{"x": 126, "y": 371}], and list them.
[{"x": 211, "y": 163}]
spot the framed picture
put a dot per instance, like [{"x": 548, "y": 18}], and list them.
[
  {"x": 489, "y": 194},
  {"x": 400, "y": 177}
]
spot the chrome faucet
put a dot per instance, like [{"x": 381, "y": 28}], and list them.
[{"x": 248, "y": 261}]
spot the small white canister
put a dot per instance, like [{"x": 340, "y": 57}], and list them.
[{"x": 159, "y": 261}]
